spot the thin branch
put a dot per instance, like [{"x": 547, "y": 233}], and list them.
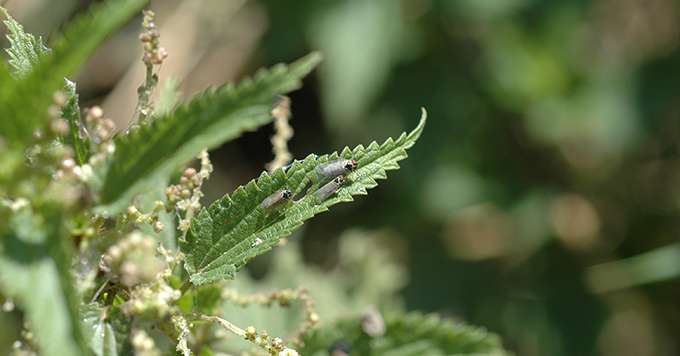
[
  {"x": 273, "y": 347},
  {"x": 226, "y": 325}
]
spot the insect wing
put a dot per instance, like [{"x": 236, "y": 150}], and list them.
[
  {"x": 276, "y": 199},
  {"x": 329, "y": 188},
  {"x": 337, "y": 168}
]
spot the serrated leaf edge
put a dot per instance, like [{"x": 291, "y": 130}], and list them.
[{"x": 362, "y": 180}]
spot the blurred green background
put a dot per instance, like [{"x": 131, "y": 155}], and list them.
[{"x": 541, "y": 200}]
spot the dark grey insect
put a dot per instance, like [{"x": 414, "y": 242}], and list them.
[
  {"x": 336, "y": 168},
  {"x": 340, "y": 348},
  {"x": 277, "y": 199},
  {"x": 329, "y": 188}
]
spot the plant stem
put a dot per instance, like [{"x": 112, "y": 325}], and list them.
[
  {"x": 225, "y": 324},
  {"x": 185, "y": 287}
]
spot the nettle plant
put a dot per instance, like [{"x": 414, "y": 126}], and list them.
[{"x": 106, "y": 248}]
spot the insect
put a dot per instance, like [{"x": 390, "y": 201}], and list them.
[
  {"x": 258, "y": 241},
  {"x": 277, "y": 199},
  {"x": 340, "y": 348},
  {"x": 336, "y": 168},
  {"x": 329, "y": 188}
]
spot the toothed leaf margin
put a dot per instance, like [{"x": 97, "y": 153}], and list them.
[{"x": 234, "y": 229}]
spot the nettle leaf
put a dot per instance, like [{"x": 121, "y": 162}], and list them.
[
  {"x": 71, "y": 112},
  {"x": 25, "y": 49},
  {"x": 168, "y": 98},
  {"x": 405, "y": 334},
  {"x": 26, "y": 99},
  {"x": 35, "y": 271},
  {"x": 234, "y": 229},
  {"x": 154, "y": 151},
  {"x": 106, "y": 329},
  {"x": 6, "y": 82},
  {"x": 99, "y": 333}
]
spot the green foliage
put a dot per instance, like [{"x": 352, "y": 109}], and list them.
[
  {"x": 76, "y": 137},
  {"x": 168, "y": 97},
  {"x": 368, "y": 273},
  {"x": 100, "y": 333},
  {"x": 5, "y": 86},
  {"x": 235, "y": 229},
  {"x": 25, "y": 49},
  {"x": 109, "y": 265},
  {"x": 405, "y": 335},
  {"x": 340, "y": 297},
  {"x": 145, "y": 202},
  {"x": 26, "y": 99},
  {"x": 154, "y": 151},
  {"x": 35, "y": 271}
]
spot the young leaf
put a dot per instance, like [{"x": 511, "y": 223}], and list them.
[
  {"x": 405, "y": 334},
  {"x": 71, "y": 112},
  {"x": 155, "y": 150},
  {"x": 26, "y": 100},
  {"x": 35, "y": 271},
  {"x": 235, "y": 229},
  {"x": 99, "y": 333},
  {"x": 25, "y": 49}
]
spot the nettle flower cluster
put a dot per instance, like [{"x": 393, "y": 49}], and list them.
[{"x": 186, "y": 196}]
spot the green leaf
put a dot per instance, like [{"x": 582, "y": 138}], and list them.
[
  {"x": 405, "y": 335},
  {"x": 5, "y": 77},
  {"x": 6, "y": 83},
  {"x": 34, "y": 270},
  {"x": 235, "y": 229},
  {"x": 99, "y": 333},
  {"x": 25, "y": 49},
  {"x": 77, "y": 137},
  {"x": 155, "y": 150},
  {"x": 168, "y": 97},
  {"x": 27, "y": 99}
]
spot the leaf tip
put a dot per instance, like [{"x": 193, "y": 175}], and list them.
[
  {"x": 423, "y": 119},
  {"x": 307, "y": 63},
  {"x": 415, "y": 134},
  {"x": 314, "y": 58}
]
